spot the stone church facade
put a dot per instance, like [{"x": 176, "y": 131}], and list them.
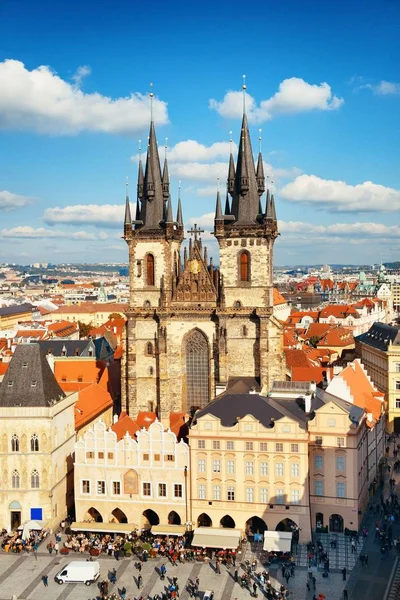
[{"x": 192, "y": 329}]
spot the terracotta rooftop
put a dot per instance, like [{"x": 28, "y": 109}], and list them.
[
  {"x": 340, "y": 311},
  {"x": 278, "y": 298},
  {"x": 92, "y": 402},
  {"x": 337, "y": 337}
]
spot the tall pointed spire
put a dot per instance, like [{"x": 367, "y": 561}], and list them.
[
  {"x": 231, "y": 170},
  {"x": 227, "y": 207},
  {"x": 273, "y": 211},
  {"x": 128, "y": 218},
  {"x": 218, "y": 208},
  {"x": 268, "y": 206},
  {"x": 179, "y": 216},
  {"x": 260, "y": 170},
  {"x": 165, "y": 175},
  {"x": 170, "y": 216},
  {"x": 245, "y": 196},
  {"x": 140, "y": 174},
  {"x": 152, "y": 211}
]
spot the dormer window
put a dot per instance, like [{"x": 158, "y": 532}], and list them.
[
  {"x": 24, "y": 364},
  {"x": 33, "y": 383},
  {"x": 10, "y": 383}
]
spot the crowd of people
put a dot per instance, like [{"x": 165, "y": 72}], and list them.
[{"x": 16, "y": 542}]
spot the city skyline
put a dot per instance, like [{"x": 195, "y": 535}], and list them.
[{"x": 74, "y": 101}]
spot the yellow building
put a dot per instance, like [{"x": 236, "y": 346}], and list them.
[
  {"x": 249, "y": 464},
  {"x": 140, "y": 481},
  {"x": 379, "y": 349},
  {"x": 10, "y": 316},
  {"x": 89, "y": 313},
  {"x": 37, "y": 442}
]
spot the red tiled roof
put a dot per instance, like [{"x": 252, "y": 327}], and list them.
[
  {"x": 337, "y": 337},
  {"x": 316, "y": 329},
  {"x": 340, "y": 311},
  {"x": 3, "y": 367},
  {"x": 317, "y": 374},
  {"x": 296, "y": 358},
  {"x": 92, "y": 402},
  {"x": 278, "y": 298}
]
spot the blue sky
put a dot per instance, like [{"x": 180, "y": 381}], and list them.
[{"x": 323, "y": 84}]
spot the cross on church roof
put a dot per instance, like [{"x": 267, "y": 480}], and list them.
[{"x": 195, "y": 231}]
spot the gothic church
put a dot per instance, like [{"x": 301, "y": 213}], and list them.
[{"x": 192, "y": 328}]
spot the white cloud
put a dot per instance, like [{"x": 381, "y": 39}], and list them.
[
  {"x": 200, "y": 172},
  {"x": 192, "y": 151},
  {"x": 340, "y": 229},
  {"x": 293, "y": 96},
  {"x": 206, "y": 220},
  {"x": 99, "y": 215},
  {"x": 41, "y": 101},
  {"x": 383, "y": 88},
  {"x": 338, "y": 196},
  {"x": 10, "y": 201},
  {"x": 27, "y": 232}
]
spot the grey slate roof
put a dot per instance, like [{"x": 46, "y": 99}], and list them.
[
  {"x": 380, "y": 336},
  {"x": 355, "y": 412},
  {"x": 229, "y": 407},
  {"x": 100, "y": 348},
  {"x": 29, "y": 380},
  {"x": 16, "y": 309}
]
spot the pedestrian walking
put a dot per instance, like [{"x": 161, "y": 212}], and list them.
[
  {"x": 123, "y": 593},
  {"x": 56, "y": 548},
  {"x": 353, "y": 546},
  {"x": 287, "y": 576},
  {"x": 139, "y": 581},
  {"x": 236, "y": 576},
  {"x": 314, "y": 581},
  {"x": 217, "y": 569},
  {"x": 344, "y": 573},
  {"x": 45, "y": 580},
  {"x": 345, "y": 595}
]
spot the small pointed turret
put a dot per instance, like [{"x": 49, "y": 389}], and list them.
[
  {"x": 260, "y": 175},
  {"x": 273, "y": 212},
  {"x": 231, "y": 175},
  {"x": 179, "y": 217},
  {"x": 165, "y": 176},
  {"x": 170, "y": 217},
  {"x": 268, "y": 206},
  {"x": 128, "y": 218},
  {"x": 140, "y": 180},
  {"x": 227, "y": 206},
  {"x": 218, "y": 208}
]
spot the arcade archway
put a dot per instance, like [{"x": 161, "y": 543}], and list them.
[
  {"x": 204, "y": 520},
  {"x": 227, "y": 522},
  {"x": 151, "y": 517}
]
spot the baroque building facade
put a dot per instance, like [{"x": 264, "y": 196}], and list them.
[{"x": 193, "y": 327}]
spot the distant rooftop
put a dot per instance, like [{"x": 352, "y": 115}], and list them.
[
  {"x": 380, "y": 336},
  {"x": 16, "y": 309}
]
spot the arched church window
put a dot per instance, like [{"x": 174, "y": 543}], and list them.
[
  {"x": 237, "y": 304},
  {"x": 197, "y": 370},
  {"x": 34, "y": 443},
  {"x": 244, "y": 266},
  {"x": 244, "y": 331},
  {"x": 15, "y": 443},
  {"x": 34, "y": 479},
  {"x": 150, "y": 269},
  {"x": 149, "y": 349},
  {"x": 147, "y": 304},
  {"x": 15, "y": 479}
]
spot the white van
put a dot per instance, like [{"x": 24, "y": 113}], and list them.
[{"x": 79, "y": 572}]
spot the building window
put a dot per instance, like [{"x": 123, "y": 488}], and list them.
[
  {"x": 319, "y": 488},
  {"x": 244, "y": 266},
  {"x": 146, "y": 456},
  {"x": 331, "y": 422},
  {"x": 34, "y": 443},
  {"x": 216, "y": 466},
  {"x": 149, "y": 349},
  {"x": 202, "y": 492},
  {"x": 201, "y": 444},
  {"x": 216, "y": 492},
  {"x": 263, "y": 446},
  {"x": 244, "y": 331},
  {"x": 216, "y": 445},
  {"x": 201, "y": 465},
  {"x": 318, "y": 462},
  {"x": 295, "y": 497},
  {"x": 100, "y": 455},
  {"x": 85, "y": 486},
  {"x": 264, "y": 495},
  {"x": 197, "y": 371},
  {"x": 146, "y": 489},
  {"x": 116, "y": 488},
  {"x": 280, "y": 496},
  {"x": 340, "y": 442},
  {"x": 162, "y": 490},
  {"x": 230, "y": 467},
  {"x": 318, "y": 440},
  {"x": 15, "y": 480},
  {"x": 89, "y": 454},
  {"x": 249, "y": 467},
  {"x": 15, "y": 443},
  {"x": 35, "y": 479},
  {"x": 157, "y": 457},
  {"x": 110, "y": 455},
  {"x": 101, "y": 487},
  {"x": 170, "y": 457},
  {"x": 397, "y": 367},
  {"x": 249, "y": 446},
  {"x": 295, "y": 470},
  {"x": 230, "y": 445},
  {"x": 249, "y": 494},
  {"x": 279, "y": 469},
  {"x": 150, "y": 269},
  {"x": 340, "y": 463},
  {"x": 279, "y": 447},
  {"x": 264, "y": 468},
  {"x": 178, "y": 490},
  {"x": 397, "y": 402},
  {"x": 341, "y": 490},
  {"x": 231, "y": 493},
  {"x": 294, "y": 448}
]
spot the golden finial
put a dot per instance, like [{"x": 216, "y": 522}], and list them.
[
  {"x": 230, "y": 142},
  {"x": 259, "y": 139},
  {"x": 179, "y": 189},
  {"x": 166, "y": 147}
]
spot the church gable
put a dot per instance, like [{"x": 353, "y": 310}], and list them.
[{"x": 197, "y": 282}]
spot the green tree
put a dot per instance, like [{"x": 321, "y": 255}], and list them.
[
  {"x": 314, "y": 339},
  {"x": 114, "y": 316},
  {"x": 84, "y": 329}
]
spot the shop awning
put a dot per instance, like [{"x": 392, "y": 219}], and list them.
[
  {"x": 35, "y": 525},
  {"x": 277, "y": 541},
  {"x": 168, "y": 529},
  {"x": 104, "y": 527},
  {"x": 213, "y": 537}
]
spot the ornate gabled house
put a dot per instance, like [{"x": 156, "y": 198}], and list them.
[{"x": 192, "y": 327}]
